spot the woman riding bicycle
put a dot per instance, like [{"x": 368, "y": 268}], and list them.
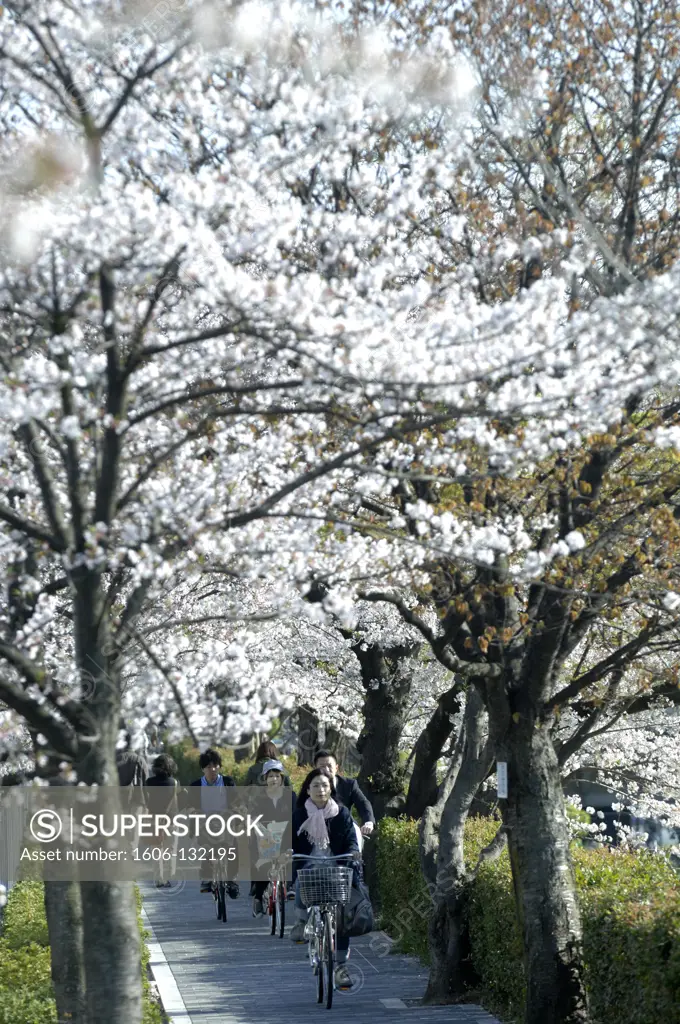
[
  {"x": 273, "y": 774},
  {"x": 321, "y": 827}
]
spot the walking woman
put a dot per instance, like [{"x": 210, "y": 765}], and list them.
[
  {"x": 265, "y": 752},
  {"x": 322, "y": 828},
  {"x": 163, "y": 801}
]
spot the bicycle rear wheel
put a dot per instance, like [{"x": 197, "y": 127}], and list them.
[
  {"x": 327, "y": 958},
  {"x": 281, "y": 906},
  {"x": 220, "y": 901}
]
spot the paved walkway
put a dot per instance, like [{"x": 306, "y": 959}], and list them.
[{"x": 236, "y": 973}]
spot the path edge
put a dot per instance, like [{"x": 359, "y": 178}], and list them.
[{"x": 168, "y": 991}]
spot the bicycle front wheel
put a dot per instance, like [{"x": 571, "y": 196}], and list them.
[
  {"x": 327, "y": 958},
  {"x": 271, "y": 905}
]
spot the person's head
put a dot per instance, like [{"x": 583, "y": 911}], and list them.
[
  {"x": 272, "y": 773},
  {"x": 267, "y": 751},
  {"x": 317, "y": 787},
  {"x": 164, "y": 766},
  {"x": 132, "y": 768},
  {"x": 326, "y": 762},
  {"x": 210, "y": 762}
]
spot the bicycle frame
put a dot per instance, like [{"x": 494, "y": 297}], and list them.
[
  {"x": 219, "y": 889},
  {"x": 321, "y": 929},
  {"x": 277, "y": 895}
]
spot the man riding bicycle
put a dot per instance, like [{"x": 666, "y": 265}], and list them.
[
  {"x": 213, "y": 801},
  {"x": 347, "y": 793}
]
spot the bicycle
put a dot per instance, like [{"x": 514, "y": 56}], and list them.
[
  {"x": 219, "y": 891},
  {"x": 276, "y": 895},
  {"x": 322, "y": 890},
  {"x": 221, "y": 885}
]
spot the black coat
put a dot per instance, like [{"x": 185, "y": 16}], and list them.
[
  {"x": 348, "y": 794},
  {"x": 162, "y": 802},
  {"x": 340, "y": 833}
]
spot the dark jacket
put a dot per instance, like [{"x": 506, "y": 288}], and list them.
[
  {"x": 162, "y": 802},
  {"x": 160, "y": 780},
  {"x": 340, "y": 833},
  {"x": 348, "y": 794}
]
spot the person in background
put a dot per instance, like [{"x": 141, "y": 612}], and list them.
[
  {"x": 321, "y": 828},
  {"x": 283, "y": 804},
  {"x": 347, "y": 790},
  {"x": 132, "y": 773},
  {"x": 132, "y": 768},
  {"x": 265, "y": 752},
  {"x": 210, "y": 762},
  {"x": 165, "y": 776}
]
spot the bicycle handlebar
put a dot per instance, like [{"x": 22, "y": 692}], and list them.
[{"x": 309, "y": 856}]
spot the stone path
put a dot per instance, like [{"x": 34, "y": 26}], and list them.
[{"x": 236, "y": 973}]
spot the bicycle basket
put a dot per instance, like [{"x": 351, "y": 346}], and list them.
[{"x": 325, "y": 885}]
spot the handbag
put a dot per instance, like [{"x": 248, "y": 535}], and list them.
[{"x": 356, "y": 917}]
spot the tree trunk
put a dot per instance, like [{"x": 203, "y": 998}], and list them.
[
  {"x": 451, "y": 971},
  {"x": 387, "y": 675},
  {"x": 64, "y": 914},
  {"x": 423, "y": 786},
  {"x": 337, "y": 742},
  {"x": 247, "y": 745},
  {"x": 112, "y": 953},
  {"x": 308, "y": 735},
  {"x": 543, "y": 877},
  {"x": 111, "y": 940}
]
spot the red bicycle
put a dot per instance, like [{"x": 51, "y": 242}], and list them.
[{"x": 276, "y": 896}]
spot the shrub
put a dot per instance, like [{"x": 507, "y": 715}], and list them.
[
  {"x": 25, "y": 980},
  {"x": 630, "y": 904},
  {"x": 630, "y": 908},
  {"x": 404, "y": 898},
  {"x": 24, "y": 918},
  {"x": 188, "y": 768},
  {"x": 26, "y": 995}
]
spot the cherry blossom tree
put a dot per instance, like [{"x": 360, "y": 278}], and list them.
[{"x": 172, "y": 298}]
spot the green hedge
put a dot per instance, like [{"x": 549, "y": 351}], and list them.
[
  {"x": 188, "y": 769},
  {"x": 630, "y": 906},
  {"x": 26, "y": 995}
]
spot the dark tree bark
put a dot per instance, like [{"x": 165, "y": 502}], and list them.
[
  {"x": 423, "y": 785},
  {"x": 338, "y": 743},
  {"x": 247, "y": 745},
  {"x": 308, "y": 734},
  {"x": 112, "y": 954},
  {"x": 535, "y": 819},
  {"x": 64, "y": 913},
  {"x": 543, "y": 877},
  {"x": 387, "y": 675},
  {"x": 441, "y": 849}
]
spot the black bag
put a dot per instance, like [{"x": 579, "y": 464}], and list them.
[{"x": 356, "y": 917}]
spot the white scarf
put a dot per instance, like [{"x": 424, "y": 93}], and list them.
[{"x": 315, "y": 825}]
